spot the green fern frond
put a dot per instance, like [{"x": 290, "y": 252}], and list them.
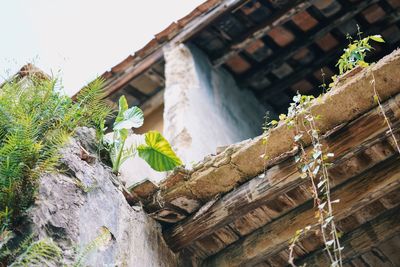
[
  {"x": 39, "y": 253},
  {"x": 36, "y": 121},
  {"x": 101, "y": 240}
]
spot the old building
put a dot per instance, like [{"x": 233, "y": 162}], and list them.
[{"x": 207, "y": 82}]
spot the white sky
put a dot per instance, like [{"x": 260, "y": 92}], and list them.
[{"x": 80, "y": 38}]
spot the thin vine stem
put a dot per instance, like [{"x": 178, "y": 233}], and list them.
[
  {"x": 315, "y": 168},
  {"x": 378, "y": 100}
]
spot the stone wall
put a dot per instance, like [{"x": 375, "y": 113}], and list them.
[
  {"x": 74, "y": 205},
  {"x": 204, "y": 108}
]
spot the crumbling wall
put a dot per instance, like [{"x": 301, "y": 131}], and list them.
[
  {"x": 74, "y": 204},
  {"x": 204, "y": 108}
]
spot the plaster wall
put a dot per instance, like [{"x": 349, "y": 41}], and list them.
[{"x": 204, "y": 107}]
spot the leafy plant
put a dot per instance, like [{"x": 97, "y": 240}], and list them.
[
  {"x": 35, "y": 122},
  {"x": 355, "y": 53},
  {"x": 39, "y": 253},
  {"x": 156, "y": 150},
  {"x": 314, "y": 166},
  {"x": 126, "y": 119},
  {"x": 45, "y": 252}
]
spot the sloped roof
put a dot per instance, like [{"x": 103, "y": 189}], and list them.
[{"x": 273, "y": 48}]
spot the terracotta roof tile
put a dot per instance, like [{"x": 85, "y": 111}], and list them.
[
  {"x": 123, "y": 65},
  {"x": 206, "y": 6},
  {"x": 148, "y": 48},
  {"x": 188, "y": 18},
  {"x": 168, "y": 33},
  {"x": 304, "y": 21}
]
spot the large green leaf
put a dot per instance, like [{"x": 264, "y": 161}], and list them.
[
  {"x": 157, "y": 152},
  {"x": 128, "y": 118}
]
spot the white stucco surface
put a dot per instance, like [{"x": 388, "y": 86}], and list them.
[{"x": 204, "y": 108}]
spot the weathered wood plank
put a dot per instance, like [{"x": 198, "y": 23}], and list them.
[
  {"x": 133, "y": 72},
  {"x": 275, "y": 236},
  {"x": 351, "y": 140},
  {"x": 221, "y": 173},
  {"x": 361, "y": 239}
]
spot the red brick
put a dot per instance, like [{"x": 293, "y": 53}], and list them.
[
  {"x": 322, "y": 4},
  {"x": 327, "y": 42},
  {"x": 237, "y": 64},
  {"x": 394, "y": 3},
  {"x": 328, "y": 7},
  {"x": 373, "y": 13},
  {"x": 301, "y": 54},
  {"x": 258, "y": 50},
  {"x": 281, "y": 36},
  {"x": 302, "y": 87},
  {"x": 304, "y": 21},
  {"x": 254, "y": 46},
  {"x": 248, "y": 9}
]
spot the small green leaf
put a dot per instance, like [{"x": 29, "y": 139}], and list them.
[
  {"x": 376, "y": 99},
  {"x": 128, "y": 118},
  {"x": 377, "y": 38},
  {"x": 363, "y": 64},
  {"x": 157, "y": 152},
  {"x": 123, "y": 134},
  {"x": 123, "y": 106}
]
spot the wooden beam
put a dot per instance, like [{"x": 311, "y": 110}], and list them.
[
  {"x": 221, "y": 173},
  {"x": 191, "y": 29},
  {"x": 133, "y": 72},
  {"x": 362, "y": 239},
  {"x": 351, "y": 140},
  {"x": 130, "y": 89},
  {"x": 156, "y": 77},
  {"x": 299, "y": 74},
  {"x": 279, "y": 17},
  {"x": 153, "y": 103},
  {"x": 275, "y": 236},
  {"x": 281, "y": 56}
]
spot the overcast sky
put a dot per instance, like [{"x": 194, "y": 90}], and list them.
[{"x": 80, "y": 38}]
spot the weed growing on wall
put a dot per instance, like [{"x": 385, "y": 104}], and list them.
[
  {"x": 36, "y": 121},
  {"x": 313, "y": 163},
  {"x": 155, "y": 149}
]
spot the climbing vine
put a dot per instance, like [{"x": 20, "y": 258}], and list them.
[
  {"x": 313, "y": 165},
  {"x": 377, "y": 99},
  {"x": 313, "y": 162}
]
